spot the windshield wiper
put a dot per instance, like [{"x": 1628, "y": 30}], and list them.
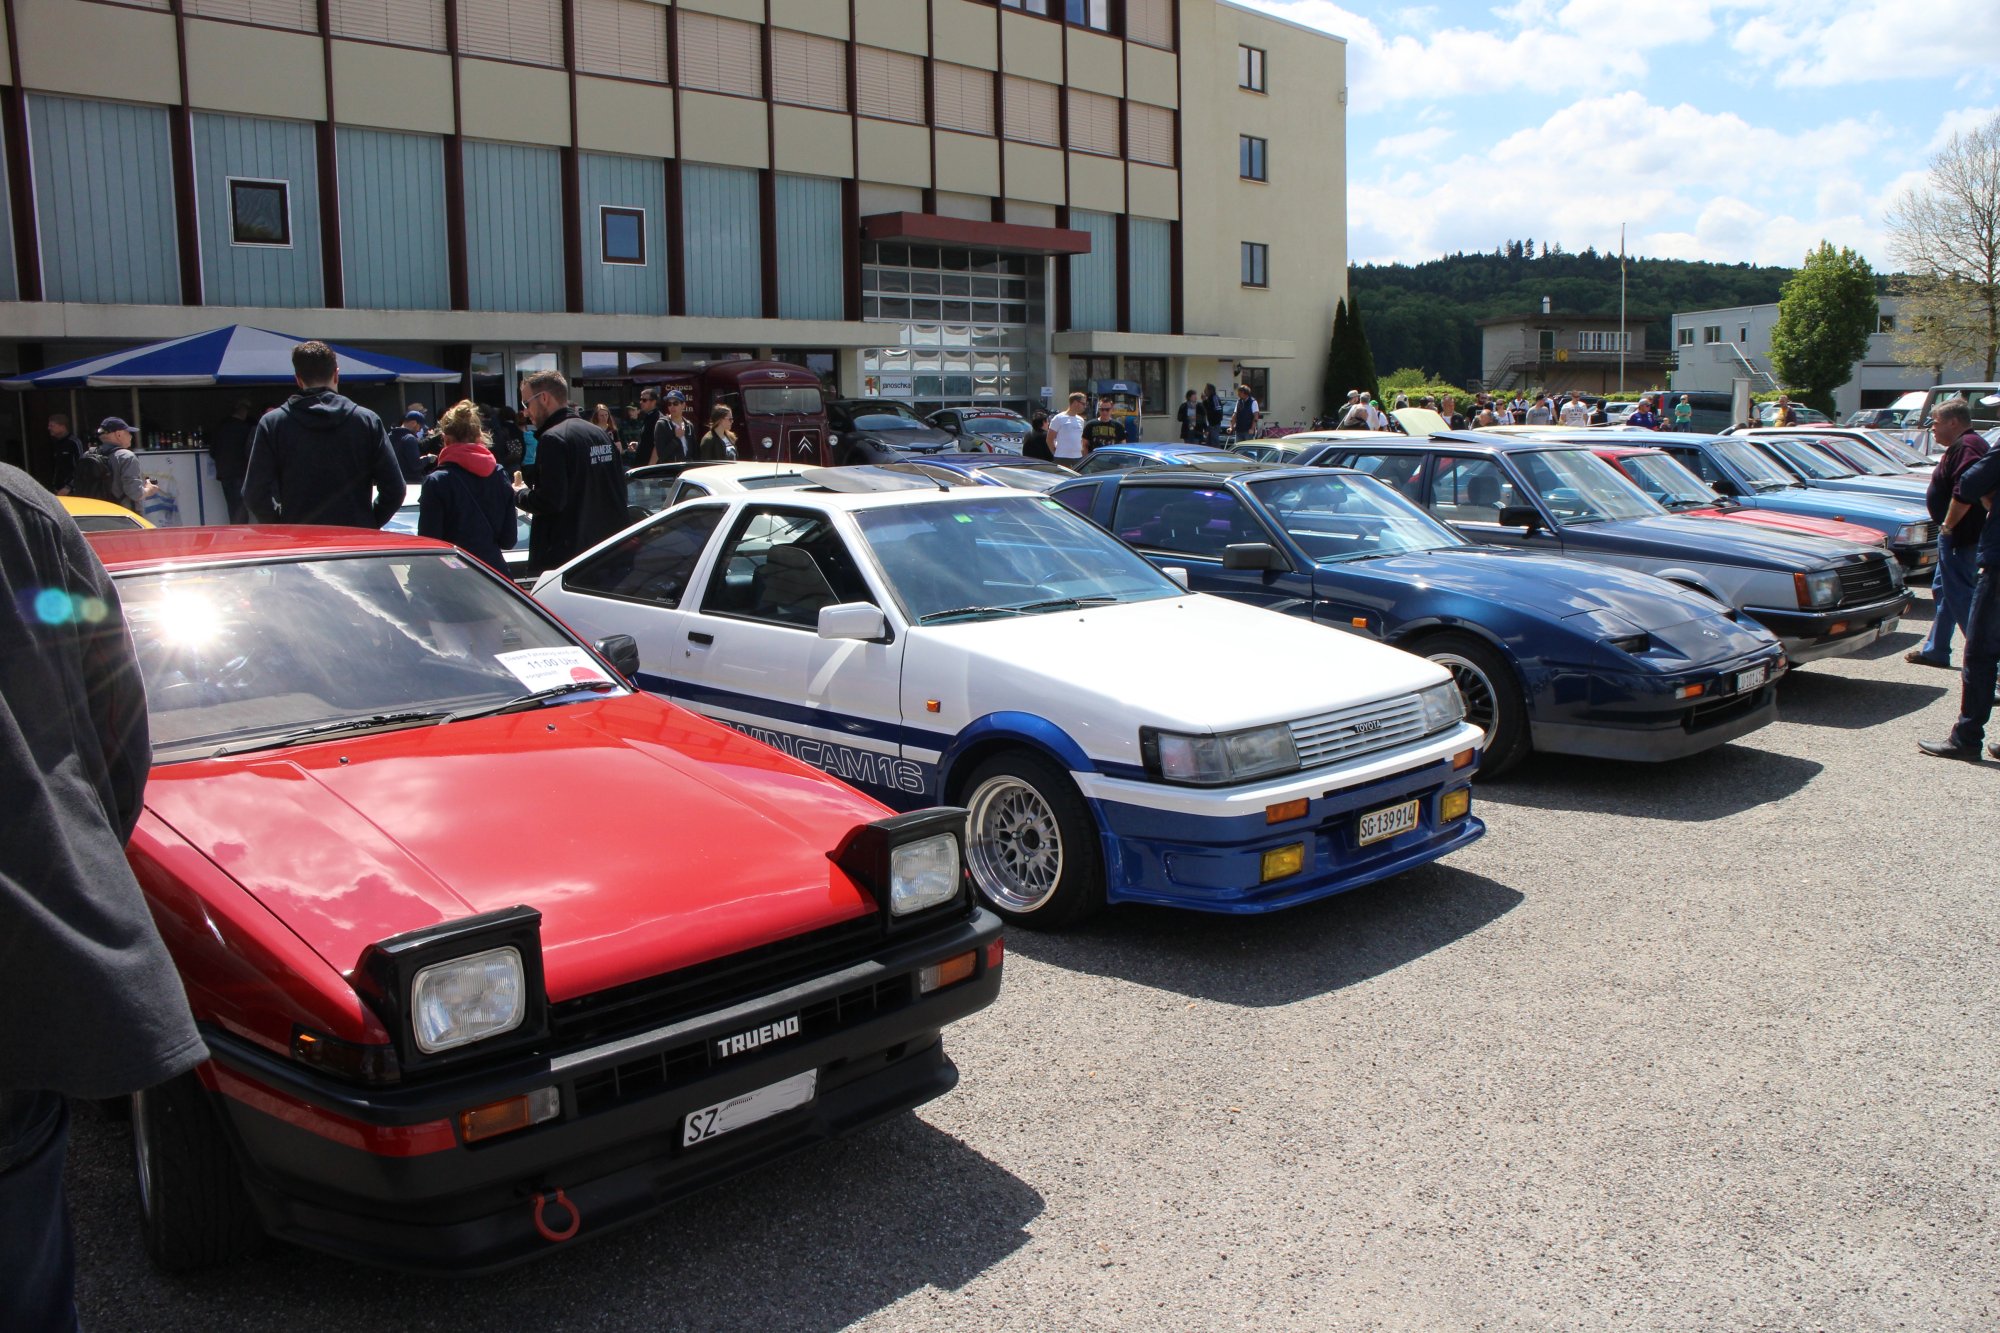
[
  {"x": 959, "y": 612},
  {"x": 532, "y": 699},
  {"x": 1065, "y": 603},
  {"x": 319, "y": 730}
]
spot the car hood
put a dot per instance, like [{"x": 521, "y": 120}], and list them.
[
  {"x": 1097, "y": 672},
  {"x": 1850, "y": 506},
  {"x": 929, "y": 440},
  {"x": 648, "y": 838},
  {"x": 1672, "y": 537},
  {"x": 1541, "y": 584},
  {"x": 1833, "y": 529},
  {"x": 1909, "y": 488}
]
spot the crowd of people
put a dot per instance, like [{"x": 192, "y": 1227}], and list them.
[{"x": 1538, "y": 408}]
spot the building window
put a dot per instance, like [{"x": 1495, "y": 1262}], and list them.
[
  {"x": 889, "y": 85},
  {"x": 528, "y": 31},
  {"x": 1027, "y": 6},
  {"x": 298, "y": 15},
  {"x": 1250, "y": 68},
  {"x": 623, "y": 231},
  {"x": 1091, "y": 13},
  {"x": 1256, "y": 264},
  {"x": 1684, "y": 337},
  {"x": 1033, "y": 111},
  {"x": 807, "y": 70},
  {"x": 1603, "y": 340},
  {"x": 1885, "y": 324},
  {"x": 1150, "y": 22},
  {"x": 721, "y": 55},
  {"x": 626, "y": 39},
  {"x": 964, "y": 98},
  {"x": 260, "y": 212},
  {"x": 1149, "y": 134},
  {"x": 417, "y": 23},
  {"x": 1743, "y": 333},
  {"x": 1711, "y": 333},
  {"x": 1250, "y": 158},
  {"x": 1093, "y": 123}
]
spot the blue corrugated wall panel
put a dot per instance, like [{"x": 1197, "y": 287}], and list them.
[
  {"x": 723, "y": 240},
  {"x": 810, "y": 254},
  {"x": 513, "y": 227},
  {"x": 623, "y": 182},
  {"x": 282, "y": 150},
  {"x": 392, "y": 234},
  {"x": 1152, "y": 275},
  {"x": 9, "y": 289},
  {"x": 104, "y": 182},
  {"x": 1093, "y": 278}
]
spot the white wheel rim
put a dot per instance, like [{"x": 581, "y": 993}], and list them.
[
  {"x": 1482, "y": 701},
  {"x": 1016, "y": 853}
]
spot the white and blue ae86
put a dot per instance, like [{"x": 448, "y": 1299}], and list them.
[{"x": 1115, "y": 737}]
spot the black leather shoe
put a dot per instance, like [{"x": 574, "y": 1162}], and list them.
[{"x": 1947, "y": 750}]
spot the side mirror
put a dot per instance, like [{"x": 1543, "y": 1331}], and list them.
[
  {"x": 1724, "y": 486},
  {"x": 1253, "y": 555},
  {"x": 863, "y": 621},
  {"x": 622, "y": 651},
  {"x": 1178, "y": 573},
  {"x": 1521, "y": 516}
]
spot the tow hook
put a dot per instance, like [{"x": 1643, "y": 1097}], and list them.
[{"x": 542, "y": 1226}]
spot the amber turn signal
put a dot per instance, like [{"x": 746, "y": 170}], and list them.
[
  {"x": 948, "y": 973},
  {"x": 1463, "y": 759},
  {"x": 1689, "y": 691},
  {"x": 504, "y": 1117},
  {"x": 1284, "y": 810}
]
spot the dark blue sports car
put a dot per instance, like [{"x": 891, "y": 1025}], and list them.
[
  {"x": 1550, "y": 654},
  {"x": 1119, "y": 457}
]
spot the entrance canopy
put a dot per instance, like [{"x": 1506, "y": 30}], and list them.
[{"x": 235, "y": 354}]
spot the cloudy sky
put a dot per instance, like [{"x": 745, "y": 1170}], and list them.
[{"x": 1716, "y": 129}]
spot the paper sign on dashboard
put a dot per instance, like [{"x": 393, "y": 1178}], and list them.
[{"x": 540, "y": 668}]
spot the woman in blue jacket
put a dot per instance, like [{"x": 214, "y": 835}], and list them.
[{"x": 468, "y": 501}]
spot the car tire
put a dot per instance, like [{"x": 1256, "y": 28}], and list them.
[
  {"x": 193, "y": 1210},
  {"x": 1494, "y": 699},
  {"x": 1031, "y": 842}
]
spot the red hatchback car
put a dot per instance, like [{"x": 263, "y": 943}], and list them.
[
  {"x": 490, "y": 950},
  {"x": 1662, "y": 477}
]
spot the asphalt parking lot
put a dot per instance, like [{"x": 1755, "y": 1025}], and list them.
[{"x": 1709, "y": 1045}]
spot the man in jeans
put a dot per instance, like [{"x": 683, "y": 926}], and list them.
[
  {"x": 1958, "y": 449},
  {"x": 1975, "y": 491},
  {"x": 94, "y": 1007}
]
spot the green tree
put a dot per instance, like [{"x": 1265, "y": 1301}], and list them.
[
  {"x": 1348, "y": 365},
  {"x": 1333, "y": 394},
  {"x": 1946, "y": 235},
  {"x": 1825, "y": 314},
  {"x": 1362, "y": 355}
]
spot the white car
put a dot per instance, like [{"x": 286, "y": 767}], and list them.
[
  {"x": 664, "y": 485},
  {"x": 1115, "y": 737}
]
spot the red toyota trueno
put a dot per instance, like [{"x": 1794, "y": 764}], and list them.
[
  {"x": 1662, "y": 477},
  {"x": 490, "y": 950}
]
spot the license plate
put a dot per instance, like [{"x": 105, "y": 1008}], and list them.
[
  {"x": 1379, "y": 824},
  {"x": 1751, "y": 679},
  {"x": 711, "y": 1121}
]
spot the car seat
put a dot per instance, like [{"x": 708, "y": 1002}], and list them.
[
  {"x": 1482, "y": 491},
  {"x": 790, "y": 587}
]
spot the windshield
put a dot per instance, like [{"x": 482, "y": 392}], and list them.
[
  {"x": 1027, "y": 477},
  {"x": 885, "y": 421},
  {"x": 795, "y": 401},
  {"x": 1803, "y": 458},
  {"x": 995, "y": 425},
  {"x": 1340, "y": 517},
  {"x": 1860, "y": 456},
  {"x": 1579, "y": 487},
  {"x": 1666, "y": 481},
  {"x": 984, "y": 554},
  {"x": 1755, "y": 464},
  {"x": 1893, "y": 447},
  {"x": 240, "y": 652}
]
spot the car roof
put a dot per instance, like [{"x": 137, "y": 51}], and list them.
[
  {"x": 732, "y": 471},
  {"x": 142, "y": 547},
  {"x": 966, "y": 459},
  {"x": 1161, "y": 448},
  {"x": 82, "y": 506},
  {"x": 1499, "y": 443}
]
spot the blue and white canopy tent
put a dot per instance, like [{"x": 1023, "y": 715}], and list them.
[{"x": 235, "y": 354}]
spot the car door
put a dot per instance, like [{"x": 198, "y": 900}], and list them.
[
  {"x": 1469, "y": 491},
  {"x": 637, "y": 586},
  {"x": 752, "y": 656},
  {"x": 1191, "y": 526}
]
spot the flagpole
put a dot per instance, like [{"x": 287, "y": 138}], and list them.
[{"x": 1621, "y": 307}]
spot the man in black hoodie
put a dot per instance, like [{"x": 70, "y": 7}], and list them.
[
  {"x": 578, "y": 498},
  {"x": 317, "y": 458}
]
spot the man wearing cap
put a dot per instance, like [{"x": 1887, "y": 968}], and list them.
[
  {"x": 129, "y": 486},
  {"x": 671, "y": 438},
  {"x": 408, "y": 442},
  {"x": 321, "y": 458}
]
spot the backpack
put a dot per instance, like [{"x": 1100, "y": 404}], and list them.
[{"x": 93, "y": 480}]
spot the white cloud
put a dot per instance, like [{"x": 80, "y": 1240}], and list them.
[
  {"x": 1958, "y": 121},
  {"x": 1417, "y": 143},
  {"x": 1814, "y": 43},
  {"x": 1688, "y": 184}
]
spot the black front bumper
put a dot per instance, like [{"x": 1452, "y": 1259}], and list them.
[
  {"x": 469, "y": 1208},
  {"x": 1810, "y": 635}
]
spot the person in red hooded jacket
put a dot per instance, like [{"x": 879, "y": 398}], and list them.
[{"x": 468, "y": 501}]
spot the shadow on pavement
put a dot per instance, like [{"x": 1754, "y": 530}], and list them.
[
  {"x": 1821, "y": 699},
  {"x": 1713, "y": 785},
  {"x": 814, "y": 1243},
  {"x": 1283, "y": 957}
]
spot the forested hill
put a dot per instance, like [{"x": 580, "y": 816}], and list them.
[{"x": 1422, "y": 315}]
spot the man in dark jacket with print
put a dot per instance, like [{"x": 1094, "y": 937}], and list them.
[
  {"x": 578, "y": 498},
  {"x": 318, "y": 458},
  {"x": 94, "y": 1006}
]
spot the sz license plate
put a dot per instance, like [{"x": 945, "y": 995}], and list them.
[
  {"x": 1387, "y": 823},
  {"x": 747, "y": 1109}
]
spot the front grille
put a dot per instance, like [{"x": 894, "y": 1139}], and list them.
[
  {"x": 1331, "y": 738},
  {"x": 657, "y": 1001},
  {"x": 1868, "y": 581},
  {"x": 678, "y": 1065}
]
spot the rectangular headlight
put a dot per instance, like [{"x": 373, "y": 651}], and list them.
[
  {"x": 463, "y": 1000},
  {"x": 1214, "y": 760},
  {"x": 1443, "y": 706},
  {"x": 1818, "y": 589},
  {"x": 923, "y": 874}
]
